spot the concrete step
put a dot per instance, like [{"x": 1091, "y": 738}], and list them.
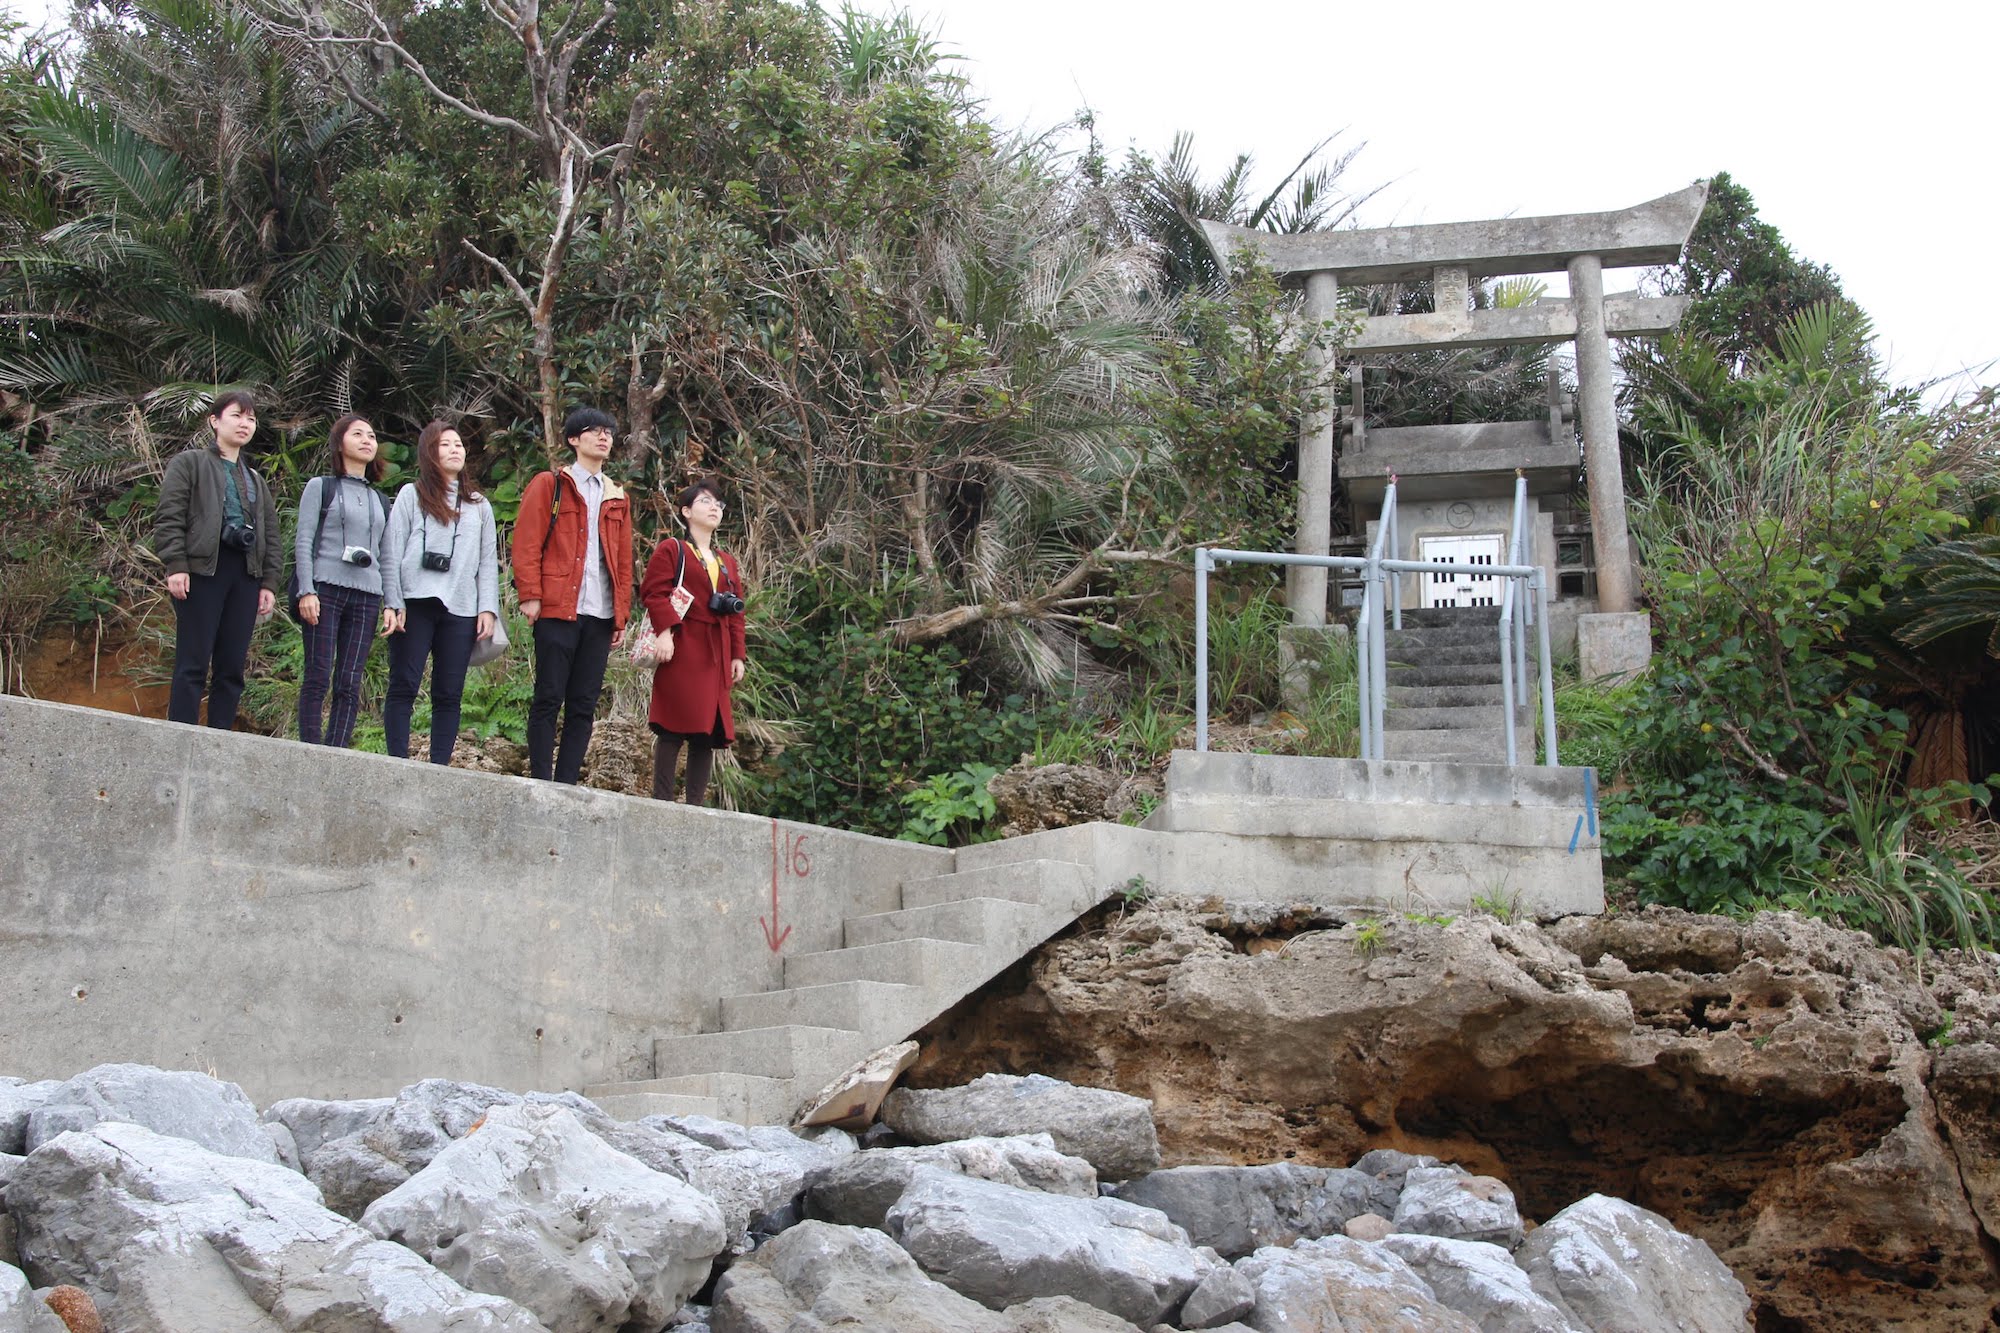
[
  {"x": 1469, "y": 745},
  {"x": 1475, "y": 718},
  {"x": 618, "y": 1101},
  {"x": 773, "y": 1052},
  {"x": 1468, "y": 673},
  {"x": 863, "y": 1006},
  {"x": 1446, "y": 696},
  {"x": 912, "y": 962},
  {"x": 1430, "y": 617},
  {"x": 1419, "y": 654},
  {"x": 967, "y": 920},
  {"x": 745, "y": 1099},
  {"x": 1054, "y": 884},
  {"x": 1403, "y": 641}
]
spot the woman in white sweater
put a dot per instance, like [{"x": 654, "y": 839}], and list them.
[{"x": 441, "y": 583}]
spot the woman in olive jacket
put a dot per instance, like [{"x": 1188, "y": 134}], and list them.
[
  {"x": 694, "y": 594},
  {"x": 216, "y": 531}
]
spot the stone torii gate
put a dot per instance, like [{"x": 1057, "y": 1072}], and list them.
[{"x": 1453, "y": 256}]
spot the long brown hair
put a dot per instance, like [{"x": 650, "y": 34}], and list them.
[
  {"x": 336, "y": 461},
  {"x": 431, "y": 480}
]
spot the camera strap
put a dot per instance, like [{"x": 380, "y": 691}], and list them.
[{"x": 425, "y": 537}]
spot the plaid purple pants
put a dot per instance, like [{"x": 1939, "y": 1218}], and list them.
[{"x": 336, "y": 655}]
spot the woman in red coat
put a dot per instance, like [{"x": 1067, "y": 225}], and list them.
[{"x": 694, "y": 595}]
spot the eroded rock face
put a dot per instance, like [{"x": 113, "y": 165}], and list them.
[{"x": 1765, "y": 1085}]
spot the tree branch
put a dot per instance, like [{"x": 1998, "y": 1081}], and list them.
[{"x": 506, "y": 276}]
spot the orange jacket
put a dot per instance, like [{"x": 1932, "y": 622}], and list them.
[{"x": 549, "y": 543}]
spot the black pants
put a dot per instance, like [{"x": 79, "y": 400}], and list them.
[
  {"x": 570, "y": 656},
  {"x": 429, "y": 632},
  {"x": 212, "y": 627}
]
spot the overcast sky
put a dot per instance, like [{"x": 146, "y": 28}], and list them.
[{"x": 1864, "y": 132}]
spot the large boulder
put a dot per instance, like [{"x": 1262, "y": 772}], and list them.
[
  {"x": 534, "y": 1207},
  {"x": 1220, "y": 1298},
  {"x": 18, "y": 1101},
  {"x": 170, "y": 1237},
  {"x": 1335, "y": 1284},
  {"x": 819, "y": 1276},
  {"x": 313, "y": 1123},
  {"x": 1237, "y": 1209},
  {"x": 1110, "y": 1130},
  {"x": 1481, "y": 1282},
  {"x": 21, "y": 1311},
  {"x": 1445, "y": 1201},
  {"x": 1001, "y": 1245},
  {"x": 178, "y": 1103},
  {"x": 1611, "y": 1264},
  {"x": 859, "y": 1190}
]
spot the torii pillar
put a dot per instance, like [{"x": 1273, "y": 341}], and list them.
[{"x": 1452, "y": 256}]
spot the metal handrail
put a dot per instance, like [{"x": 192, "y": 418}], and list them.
[{"x": 1377, "y": 616}]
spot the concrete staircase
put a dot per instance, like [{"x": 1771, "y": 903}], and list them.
[
  {"x": 895, "y": 972},
  {"x": 1445, "y": 699}
]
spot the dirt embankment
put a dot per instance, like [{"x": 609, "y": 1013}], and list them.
[{"x": 1824, "y": 1115}]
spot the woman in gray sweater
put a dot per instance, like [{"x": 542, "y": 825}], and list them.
[
  {"x": 440, "y": 589},
  {"x": 338, "y": 556}
]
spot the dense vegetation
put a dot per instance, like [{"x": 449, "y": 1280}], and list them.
[{"x": 975, "y": 398}]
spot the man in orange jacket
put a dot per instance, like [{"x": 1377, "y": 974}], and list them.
[{"x": 573, "y": 571}]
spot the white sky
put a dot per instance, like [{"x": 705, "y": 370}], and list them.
[{"x": 1864, "y": 132}]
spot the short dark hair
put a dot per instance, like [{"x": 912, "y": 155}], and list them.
[
  {"x": 336, "y": 459},
  {"x": 581, "y": 419},
  {"x": 689, "y": 492},
  {"x": 233, "y": 398}
]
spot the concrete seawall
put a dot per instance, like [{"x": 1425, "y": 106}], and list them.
[{"x": 313, "y": 922}]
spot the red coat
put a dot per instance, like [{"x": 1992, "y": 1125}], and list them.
[
  {"x": 691, "y": 692},
  {"x": 550, "y": 541}
]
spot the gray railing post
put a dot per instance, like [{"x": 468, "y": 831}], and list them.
[
  {"x": 1541, "y": 589},
  {"x": 1202, "y": 561}
]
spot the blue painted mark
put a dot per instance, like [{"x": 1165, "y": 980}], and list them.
[{"x": 1589, "y": 810}]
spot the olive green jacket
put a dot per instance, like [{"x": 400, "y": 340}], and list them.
[{"x": 187, "y": 525}]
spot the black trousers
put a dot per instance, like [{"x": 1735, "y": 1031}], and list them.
[
  {"x": 212, "y": 628},
  {"x": 570, "y": 656},
  {"x": 430, "y": 634}
]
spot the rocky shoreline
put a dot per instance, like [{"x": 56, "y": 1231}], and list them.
[{"x": 143, "y": 1201}]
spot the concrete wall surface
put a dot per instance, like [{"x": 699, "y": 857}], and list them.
[{"x": 314, "y": 922}]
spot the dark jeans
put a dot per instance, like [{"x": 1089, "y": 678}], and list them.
[
  {"x": 336, "y": 657},
  {"x": 429, "y": 632},
  {"x": 212, "y": 627},
  {"x": 570, "y": 656}
]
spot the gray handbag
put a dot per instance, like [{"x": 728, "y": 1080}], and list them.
[{"x": 489, "y": 650}]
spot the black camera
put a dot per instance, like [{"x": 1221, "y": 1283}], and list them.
[
  {"x": 437, "y": 562},
  {"x": 239, "y": 536},
  {"x": 358, "y": 556},
  {"x": 725, "y": 603}
]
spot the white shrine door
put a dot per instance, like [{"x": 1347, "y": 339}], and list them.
[{"x": 1460, "y": 589}]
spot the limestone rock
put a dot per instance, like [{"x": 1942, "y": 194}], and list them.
[
  {"x": 1238, "y": 1209},
  {"x": 1762, "y": 1084},
  {"x": 1001, "y": 1245},
  {"x": 73, "y": 1306},
  {"x": 1444, "y": 1201},
  {"x": 1481, "y": 1282},
  {"x": 21, "y": 1311},
  {"x": 314, "y": 1123},
  {"x": 1029, "y": 798},
  {"x": 1966, "y": 1082},
  {"x": 1110, "y": 1130},
  {"x": 1611, "y": 1264},
  {"x": 757, "y": 1191},
  {"x": 1370, "y": 1227},
  {"x": 1389, "y": 1168},
  {"x": 18, "y": 1101},
  {"x": 1334, "y": 1284},
  {"x": 535, "y": 1208},
  {"x": 819, "y": 1276},
  {"x": 180, "y": 1104},
  {"x": 1222, "y": 1297},
  {"x": 853, "y": 1100},
  {"x": 859, "y": 1190},
  {"x": 1061, "y": 1314},
  {"x": 812, "y": 1147},
  {"x": 170, "y": 1237}
]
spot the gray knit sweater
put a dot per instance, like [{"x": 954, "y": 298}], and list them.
[
  {"x": 355, "y": 518},
  {"x": 471, "y": 585}
]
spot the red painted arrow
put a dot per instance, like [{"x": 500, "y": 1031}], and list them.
[{"x": 772, "y": 935}]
